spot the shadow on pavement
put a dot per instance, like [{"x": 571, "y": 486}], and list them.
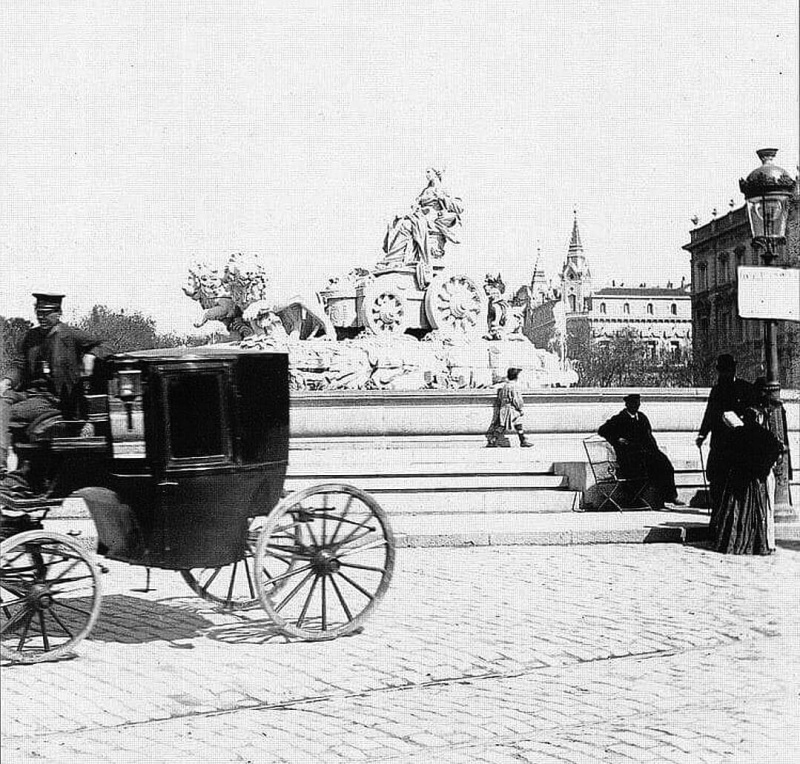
[
  {"x": 793, "y": 546},
  {"x": 251, "y": 632},
  {"x": 132, "y": 620}
]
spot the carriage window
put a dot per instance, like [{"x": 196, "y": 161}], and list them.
[{"x": 195, "y": 416}]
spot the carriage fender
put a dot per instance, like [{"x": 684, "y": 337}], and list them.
[{"x": 118, "y": 534}]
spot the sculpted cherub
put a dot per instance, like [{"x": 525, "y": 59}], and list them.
[{"x": 205, "y": 285}]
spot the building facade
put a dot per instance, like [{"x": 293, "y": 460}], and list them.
[
  {"x": 575, "y": 313},
  {"x": 717, "y": 249}
]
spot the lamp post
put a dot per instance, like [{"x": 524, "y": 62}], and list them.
[{"x": 768, "y": 191}]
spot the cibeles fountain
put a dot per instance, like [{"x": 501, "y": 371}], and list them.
[{"x": 407, "y": 323}]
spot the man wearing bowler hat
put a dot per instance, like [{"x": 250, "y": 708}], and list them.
[
  {"x": 638, "y": 454},
  {"x": 54, "y": 357}
]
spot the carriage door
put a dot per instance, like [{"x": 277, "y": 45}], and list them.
[{"x": 197, "y": 417}]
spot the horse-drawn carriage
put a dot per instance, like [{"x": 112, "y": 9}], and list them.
[
  {"x": 416, "y": 297},
  {"x": 181, "y": 464}
]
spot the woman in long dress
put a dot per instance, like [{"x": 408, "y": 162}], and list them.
[{"x": 741, "y": 522}]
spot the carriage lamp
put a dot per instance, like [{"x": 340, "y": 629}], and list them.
[
  {"x": 768, "y": 191},
  {"x": 129, "y": 388}
]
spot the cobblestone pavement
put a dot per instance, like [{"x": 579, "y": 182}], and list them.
[{"x": 642, "y": 653}]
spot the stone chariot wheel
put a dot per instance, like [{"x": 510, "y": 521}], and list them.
[
  {"x": 324, "y": 561},
  {"x": 49, "y": 596},
  {"x": 384, "y": 309},
  {"x": 454, "y": 303}
]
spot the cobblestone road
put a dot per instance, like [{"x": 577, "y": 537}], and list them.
[{"x": 645, "y": 653}]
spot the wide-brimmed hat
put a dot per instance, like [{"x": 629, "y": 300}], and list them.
[{"x": 633, "y": 397}]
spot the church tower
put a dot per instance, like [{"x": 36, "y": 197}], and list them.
[{"x": 576, "y": 278}]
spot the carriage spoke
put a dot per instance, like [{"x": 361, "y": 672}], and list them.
[
  {"x": 345, "y": 512},
  {"x": 61, "y": 575},
  {"x": 60, "y": 623},
  {"x": 362, "y": 567},
  {"x": 341, "y": 599},
  {"x": 360, "y": 588},
  {"x": 14, "y": 620},
  {"x": 250, "y": 586},
  {"x": 324, "y": 611},
  {"x": 363, "y": 548},
  {"x": 43, "y": 630},
  {"x": 303, "y": 612},
  {"x": 72, "y": 607},
  {"x": 290, "y": 596},
  {"x": 23, "y": 636},
  {"x": 288, "y": 574},
  {"x": 230, "y": 584},
  {"x": 210, "y": 581}
]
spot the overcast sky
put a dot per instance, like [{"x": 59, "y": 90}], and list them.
[{"x": 137, "y": 136}]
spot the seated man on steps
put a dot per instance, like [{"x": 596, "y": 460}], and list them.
[{"x": 638, "y": 454}]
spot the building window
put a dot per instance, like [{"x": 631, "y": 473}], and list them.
[
  {"x": 673, "y": 309},
  {"x": 652, "y": 349},
  {"x": 572, "y": 303},
  {"x": 724, "y": 274},
  {"x": 650, "y": 309},
  {"x": 675, "y": 349},
  {"x": 602, "y": 307},
  {"x": 626, "y": 308},
  {"x": 702, "y": 277}
]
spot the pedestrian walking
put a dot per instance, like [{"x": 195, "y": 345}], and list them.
[
  {"x": 728, "y": 399},
  {"x": 638, "y": 454},
  {"x": 507, "y": 415},
  {"x": 743, "y": 522}
]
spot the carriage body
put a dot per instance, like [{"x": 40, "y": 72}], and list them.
[
  {"x": 198, "y": 443},
  {"x": 181, "y": 464}
]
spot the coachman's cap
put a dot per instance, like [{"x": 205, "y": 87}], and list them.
[
  {"x": 48, "y": 301},
  {"x": 633, "y": 397}
]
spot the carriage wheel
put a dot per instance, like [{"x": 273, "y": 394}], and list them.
[
  {"x": 49, "y": 596},
  {"x": 384, "y": 309},
  {"x": 232, "y": 586},
  {"x": 455, "y": 304},
  {"x": 325, "y": 559}
]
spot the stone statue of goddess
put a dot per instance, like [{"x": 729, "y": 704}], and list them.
[{"x": 420, "y": 235}]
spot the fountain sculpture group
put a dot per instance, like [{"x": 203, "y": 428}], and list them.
[{"x": 406, "y": 324}]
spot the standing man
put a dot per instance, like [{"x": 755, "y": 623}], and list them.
[
  {"x": 54, "y": 359},
  {"x": 729, "y": 395},
  {"x": 638, "y": 454},
  {"x": 507, "y": 415}
]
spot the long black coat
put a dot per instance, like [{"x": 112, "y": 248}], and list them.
[
  {"x": 62, "y": 347},
  {"x": 640, "y": 456}
]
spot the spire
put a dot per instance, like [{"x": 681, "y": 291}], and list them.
[{"x": 575, "y": 246}]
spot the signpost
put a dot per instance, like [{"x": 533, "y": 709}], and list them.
[{"x": 769, "y": 293}]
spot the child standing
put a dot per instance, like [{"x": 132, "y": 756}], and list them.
[{"x": 507, "y": 415}]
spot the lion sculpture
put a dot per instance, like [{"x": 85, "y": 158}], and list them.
[{"x": 243, "y": 299}]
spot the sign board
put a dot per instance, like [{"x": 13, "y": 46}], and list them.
[{"x": 766, "y": 292}]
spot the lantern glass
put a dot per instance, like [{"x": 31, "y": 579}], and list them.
[
  {"x": 768, "y": 215},
  {"x": 129, "y": 384}
]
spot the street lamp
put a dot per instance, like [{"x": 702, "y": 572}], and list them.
[{"x": 768, "y": 191}]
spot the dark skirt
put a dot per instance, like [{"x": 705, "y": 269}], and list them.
[{"x": 739, "y": 525}]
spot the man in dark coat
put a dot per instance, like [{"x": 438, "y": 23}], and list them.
[
  {"x": 638, "y": 454},
  {"x": 47, "y": 376},
  {"x": 728, "y": 395}
]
